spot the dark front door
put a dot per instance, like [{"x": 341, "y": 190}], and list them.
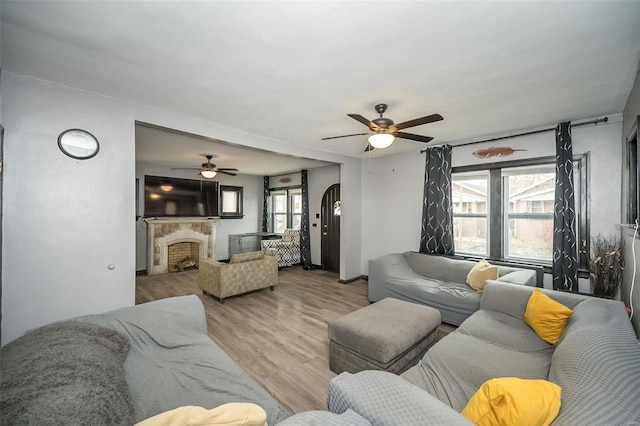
[{"x": 330, "y": 221}]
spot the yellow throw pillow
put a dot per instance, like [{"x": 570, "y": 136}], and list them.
[
  {"x": 232, "y": 414},
  {"x": 546, "y": 317},
  {"x": 479, "y": 274},
  {"x": 514, "y": 401}
]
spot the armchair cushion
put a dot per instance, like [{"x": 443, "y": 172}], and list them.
[{"x": 246, "y": 257}]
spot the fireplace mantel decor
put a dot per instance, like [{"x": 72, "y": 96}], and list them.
[{"x": 162, "y": 232}]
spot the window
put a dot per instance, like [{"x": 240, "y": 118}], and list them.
[
  {"x": 470, "y": 202},
  {"x": 506, "y": 212},
  {"x": 529, "y": 195},
  {"x": 286, "y": 209},
  {"x": 231, "y": 202}
]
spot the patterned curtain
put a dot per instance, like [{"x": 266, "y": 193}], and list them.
[
  {"x": 305, "y": 243},
  {"x": 437, "y": 216},
  {"x": 265, "y": 203},
  {"x": 565, "y": 249}
]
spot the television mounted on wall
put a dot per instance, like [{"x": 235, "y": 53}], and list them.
[{"x": 175, "y": 197}]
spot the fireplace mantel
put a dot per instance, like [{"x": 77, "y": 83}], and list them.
[{"x": 162, "y": 232}]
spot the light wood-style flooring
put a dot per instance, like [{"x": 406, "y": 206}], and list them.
[{"x": 278, "y": 337}]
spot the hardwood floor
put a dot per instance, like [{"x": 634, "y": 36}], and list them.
[{"x": 278, "y": 337}]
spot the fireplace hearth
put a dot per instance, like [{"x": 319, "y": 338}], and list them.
[{"x": 197, "y": 235}]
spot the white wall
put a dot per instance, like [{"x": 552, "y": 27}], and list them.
[
  {"x": 320, "y": 179},
  {"x": 392, "y": 200},
  {"x": 251, "y": 222},
  {"x": 65, "y": 221},
  {"x": 391, "y": 205},
  {"x": 350, "y": 219}
]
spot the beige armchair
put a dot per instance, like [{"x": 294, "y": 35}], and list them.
[{"x": 244, "y": 273}]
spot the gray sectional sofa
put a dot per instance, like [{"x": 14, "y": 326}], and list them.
[
  {"x": 596, "y": 363},
  {"x": 435, "y": 281},
  {"x": 160, "y": 358}
]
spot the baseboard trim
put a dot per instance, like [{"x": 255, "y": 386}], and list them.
[
  {"x": 350, "y": 280},
  {"x": 142, "y": 272}
]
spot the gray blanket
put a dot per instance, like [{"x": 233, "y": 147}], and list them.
[{"x": 65, "y": 373}]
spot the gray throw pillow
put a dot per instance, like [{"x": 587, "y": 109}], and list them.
[{"x": 69, "y": 373}]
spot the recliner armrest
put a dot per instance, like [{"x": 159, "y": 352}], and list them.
[{"x": 387, "y": 399}]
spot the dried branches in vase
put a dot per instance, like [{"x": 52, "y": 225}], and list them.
[{"x": 606, "y": 262}]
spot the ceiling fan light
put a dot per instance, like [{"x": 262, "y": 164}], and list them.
[
  {"x": 381, "y": 140},
  {"x": 208, "y": 174}
]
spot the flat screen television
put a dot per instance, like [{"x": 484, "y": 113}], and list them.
[{"x": 174, "y": 197}]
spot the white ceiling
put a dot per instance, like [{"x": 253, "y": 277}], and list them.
[
  {"x": 178, "y": 149},
  {"x": 291, "y": 71}
]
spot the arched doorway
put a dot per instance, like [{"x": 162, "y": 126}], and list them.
[{"x": 330, "y": 221}]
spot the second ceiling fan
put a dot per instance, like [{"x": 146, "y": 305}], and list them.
[
  {"x": 383, "y": 130},
  {"x": 209, "y": 170}
]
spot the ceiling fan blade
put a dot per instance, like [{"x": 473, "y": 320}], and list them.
[
  {"x": 344, "y": 136},
  {"x": 227, "y": 173},
  {"x": 369, "y": 148},
  {"x": 185, "y": 168},
  {"x": 226, "y": 169},
  {"x": 364, "y": 121},
  {"x": 413, "y": 137},
  {"x": 418, "y": 121}
]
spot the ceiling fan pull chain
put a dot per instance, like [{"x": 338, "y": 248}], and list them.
[{"x": 393, "y": 153}]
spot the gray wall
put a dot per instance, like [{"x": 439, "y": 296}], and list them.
[
  {"x": 68, "y": 224},
  {"x": 251, "y": 222},
  {"x": 630, "y": 114},
  {"x": 66, "y": 221},
  {"x": 319, "y": 180}
]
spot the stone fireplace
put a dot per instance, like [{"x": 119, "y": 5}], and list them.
[
  {"x": 162, "y": 233},
  {"x": 179, "y": 252}
]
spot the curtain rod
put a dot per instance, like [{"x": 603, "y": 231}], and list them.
[{"x": 533, "y": 132}]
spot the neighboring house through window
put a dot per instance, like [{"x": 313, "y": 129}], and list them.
[{"x": 506, "y": 211}]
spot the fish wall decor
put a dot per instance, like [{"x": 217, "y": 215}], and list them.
[{"x": 496, "y": 151}]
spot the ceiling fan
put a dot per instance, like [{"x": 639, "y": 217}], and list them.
[
  {"x": 383, "y": 130},
  {"x": 209, "y": 170}
]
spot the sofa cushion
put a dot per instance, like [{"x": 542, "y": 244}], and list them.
[
  {"x": 247, "y": 257},
  {"x": 597, "y": 364},
  {"x": 65, "y": 371},
  {"x": 455, "y": 367},
  {"x": 441, "y": 268},
  {"x": 546, "y": 317},
  {"x": 506, "y": 331},
  {"x": 326, "y": 418},
  {"x": 514, "y": 401},
  {"x": 232, "y": 414},
  {"x": 172, "y": 355},
  {"x": 480, "y": 273}
]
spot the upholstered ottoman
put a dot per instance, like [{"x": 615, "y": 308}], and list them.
[{"x": 390, "y": 335}]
